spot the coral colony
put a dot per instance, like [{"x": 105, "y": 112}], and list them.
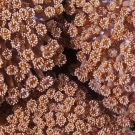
[{"x": 67, "y": 67}]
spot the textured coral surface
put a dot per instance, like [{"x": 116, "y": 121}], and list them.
[{"x": 67, "y": 67}]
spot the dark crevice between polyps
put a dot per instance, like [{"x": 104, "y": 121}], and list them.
[
  {"x": 71, "y": 59},
  {"x": 5, "y": 111}
]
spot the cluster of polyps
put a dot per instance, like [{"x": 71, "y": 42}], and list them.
[
  {"x": 33, "y": 36},
  {"x": 27, "y": 51}
]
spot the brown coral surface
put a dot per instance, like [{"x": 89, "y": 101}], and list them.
[{"x": 67, "y": 67}]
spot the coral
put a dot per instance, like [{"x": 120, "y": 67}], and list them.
[
  {"x": 56, "y": 112},
  {"x": 27, "y": 48},
  {"x": 67, "y": 67}
]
